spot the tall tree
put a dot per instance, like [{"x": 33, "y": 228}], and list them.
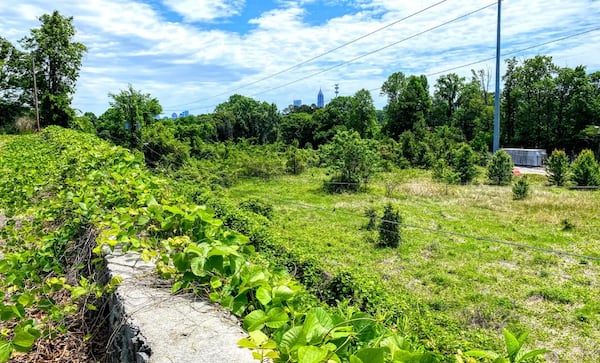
[
  {"x": 245, "y": 118},
  {"x": 332, "y": 118},
  {"x": 12, "y": 73},
  {"x": 58, "y": 60},
  {"x": 509, "y": 102},
  {"x": 446, "y": 97},
  {"x": 130, "y": 111},
  {"x": 363, "y": 117},
  {"x": 408, "y": 102}
]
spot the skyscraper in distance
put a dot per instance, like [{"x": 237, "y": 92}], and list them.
[{"x": 320, "y": 99}]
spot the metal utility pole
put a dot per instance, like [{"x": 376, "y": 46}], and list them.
[
  {"x": 496, "y": 145},
  {"x": 337, "y": 89},
  {"x": 35, "y": 95}
]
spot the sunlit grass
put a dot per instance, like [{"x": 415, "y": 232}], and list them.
[{"x": 481, "y": 283}]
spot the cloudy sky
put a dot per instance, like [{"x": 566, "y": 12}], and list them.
[{"x": 193, "y": 54}]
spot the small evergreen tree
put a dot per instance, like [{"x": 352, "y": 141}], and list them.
[
  {"x": 463, "y": 162},
  {"x": 500, "y": 168},
  {"x": 389, "y": 227},
  {"x": 586, "y": 171},
  {"x": 557, "y": 168},
  {"x": 521, "y": 189}
]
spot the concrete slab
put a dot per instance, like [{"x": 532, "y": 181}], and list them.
[{"x": 172, "y": 328}]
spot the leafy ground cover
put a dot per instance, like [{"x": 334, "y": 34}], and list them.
[
  {"x": 65, "y": 195},
  {"x": 472, "y": 287}
]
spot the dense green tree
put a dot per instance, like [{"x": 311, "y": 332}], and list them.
[
  {"x": 245, "y": 118},
  {"x": 129, "y": 112},
  {"x": 363, "y": 117},
  {"x": 408, "y": 102},
  {"x": 57, "y": 60},
  {"x": 446, "y": 98},
  {"x": 332, "y": 118},
  {"x": 509, "y": 103},
  {"x": 389, "y": 227},
  {"x": 12, "y": 73},
  {"x": 585, "y": 169},
  {"x": 310, "y": 109},
  {"x": 195, "y": 131},
  {"x": 161, "y": 148},
  {"x": 352, "y": 160},
  {"x": 557, "y": 168},
  {"x": 463, "y": 162},
  {"x": 500, "y": 168},
  {"x": 299, "y": 128}
]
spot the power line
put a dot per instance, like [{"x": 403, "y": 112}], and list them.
[
  {"x": 319, "y": 55},
  {"x": 517, "y": 51},
  {"x": 376, "y": 50},
  {"x": 508, "y": 53}
]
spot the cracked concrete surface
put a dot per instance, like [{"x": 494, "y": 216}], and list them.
[{"x": 170, "y": 328}]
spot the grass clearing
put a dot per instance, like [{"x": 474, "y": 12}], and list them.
[{"x": 478, "y": 284}]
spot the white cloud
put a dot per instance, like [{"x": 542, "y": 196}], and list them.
[
  {"x": 182, "y": 62},
  {"x": 205, "y": 10}
]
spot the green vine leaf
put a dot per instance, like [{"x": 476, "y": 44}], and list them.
[{"x": 5, "y": 350}]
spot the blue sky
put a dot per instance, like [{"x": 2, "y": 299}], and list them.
[{"x": 192, "y": 54}]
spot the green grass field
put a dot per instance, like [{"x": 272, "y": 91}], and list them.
[{"x": 478, "y": 284}]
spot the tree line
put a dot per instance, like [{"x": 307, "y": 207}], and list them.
[{"x": 543, "y": 106}]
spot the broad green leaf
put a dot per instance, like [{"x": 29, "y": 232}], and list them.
[
  {"x": 316, "y": 325},
  {"x": 26, "y": 299},
  {"x": 311, "y": 354},
  {"x": 277, "y": 318},
  {"x": 355, "y": 359},
  {"x": 5, "y": 350},
  {"x": 143, "y": 220},
  {"x": 282, "y": 293},
  {"x": 255, "y": 320},
  {"x": 258, "y": 337},
  {"x": 78, "y": 292},
  {"x": 371, "y": 355},
  {"x": 215, "y": 282},
  {"x": 197, "y": 266},
  {"x": 512, "y": 344},
  {"x": 532, "y": 354},
  {"x": 481, "y": 354},
  {"x": 263, "y": 295},
  {"x": 4, "y": 266},
  {"x": 23, "y": 339},
  {"x": 291, "y": 339},
  {"x": 247, "y": 343}
]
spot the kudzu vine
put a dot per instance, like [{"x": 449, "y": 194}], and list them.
[{"x": 56, "y": 185}]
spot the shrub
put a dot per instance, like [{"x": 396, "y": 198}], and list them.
[
  {"x": 557, "y": 168},
  {"x": 586, "y": 171},
  {"x": 520, "y": 189},
  {"x": 463, "y": 162},
  {"x": 389, "y": 227},
  {"x": 442, "y": 172},
  {"x": 352, "y": 159},
  {"x": 500, "y": 168},
  {"x": 258, "y": 206}
]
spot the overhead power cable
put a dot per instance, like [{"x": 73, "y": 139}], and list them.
[
  {"x": 317, "y": 56},
  {"x": 517, "y": 51},
  {"x": 508, "y": 53},
  {"x": 377, "y": 50}
]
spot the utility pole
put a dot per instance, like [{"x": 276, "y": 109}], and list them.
[
  {"x": 337, "y": 89},
  {"x": 35, "y": 94},
  {"x": 496, "y": 145}
]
